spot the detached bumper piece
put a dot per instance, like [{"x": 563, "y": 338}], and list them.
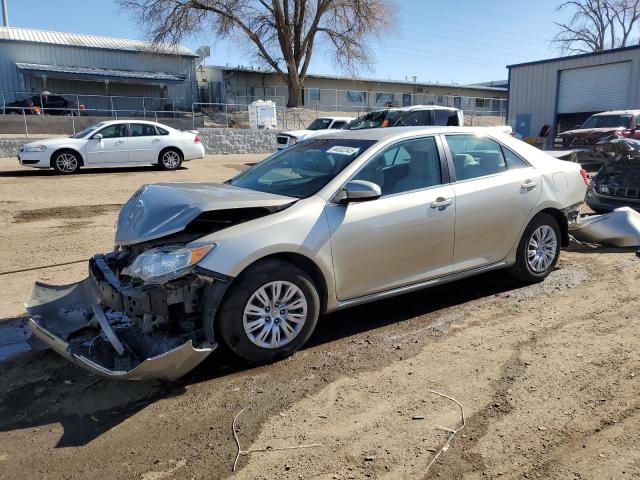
[
  {"x": 133, "y": 333},
  {"x": 620, "y": 228}
]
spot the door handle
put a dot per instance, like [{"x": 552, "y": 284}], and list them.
[
  {"x": 528, "y": 185},
  {"x": 119, "y": 142},
  {"x": 156, "y": 140},
  {"x": 441, "y": 203}
]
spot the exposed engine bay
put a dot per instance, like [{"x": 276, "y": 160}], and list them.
[{"x": 131, "y": 319}]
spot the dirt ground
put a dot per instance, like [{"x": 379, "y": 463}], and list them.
[{"x": 548, "y": 374}]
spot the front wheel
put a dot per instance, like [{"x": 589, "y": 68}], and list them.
[
  {"x": 538, "y": 250},
  {"x": 170, "y": 159},
  {"x": 269, "y": 313},
  {"x": 66, "y": 163}
]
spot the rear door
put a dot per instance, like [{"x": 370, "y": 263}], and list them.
[
  {"x": 112, "y": 148},
  {"x": 495, "y": 190},
  {"x": 143, "y": 143}
]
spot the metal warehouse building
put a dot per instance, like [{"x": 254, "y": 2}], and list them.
[
  {"x": 564, "y": 91},
  {"x": 99, "y": 68}
]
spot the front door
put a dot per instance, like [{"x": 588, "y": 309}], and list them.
[
  {"x": 111, "y": 148},
  {"x": 495, "y": 191},
  {"x": 406, "y": 235}
]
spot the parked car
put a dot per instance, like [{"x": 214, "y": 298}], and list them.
[
  {"x": 332, "y": 222},
  {"x": 617, "y": 183},
  {"x": 413, "y": 116},
  {"x": 597, "y": 127},
  {"x": 44, "y": 105},
  {"x": 111, "y": 143},
  {"x": 319, "y": 126}
]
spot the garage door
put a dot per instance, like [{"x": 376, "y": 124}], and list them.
[{"x": 595, "y": 89}]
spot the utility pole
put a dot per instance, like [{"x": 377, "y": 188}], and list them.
[{"x": 5, "y": 14}]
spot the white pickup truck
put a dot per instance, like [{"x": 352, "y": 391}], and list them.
[{"x": 319, "y": 126}]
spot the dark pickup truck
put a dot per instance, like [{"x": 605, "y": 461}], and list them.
[{"x": 583, "y": 139}]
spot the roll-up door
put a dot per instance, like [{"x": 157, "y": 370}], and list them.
[{"x": 595, "y": 89}]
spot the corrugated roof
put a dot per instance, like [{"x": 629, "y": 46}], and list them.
[
  {"x": 579, "y": 55},
  {"x": 102, "y": 72},
  {"x": 89, "y": 41},
  {"x": 358, "y": 79}
]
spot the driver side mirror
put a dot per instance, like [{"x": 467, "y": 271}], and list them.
[
  {"x": 358, "y": 191},
  {"x": 97, "y": 136}
]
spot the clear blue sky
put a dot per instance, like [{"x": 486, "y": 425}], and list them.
[{"x": 461, "y": 41}]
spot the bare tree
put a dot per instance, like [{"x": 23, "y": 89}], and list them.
[
  {"x": 281, "y": 33},
  {"x": 596, "y": 25}
]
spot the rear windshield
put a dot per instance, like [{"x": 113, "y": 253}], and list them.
[
  {"x": 608, "y": 121},
  {"x": 379, "y": 119},
  {"x": 320, "y": 124},
  {"x": 303, "y": 169}
]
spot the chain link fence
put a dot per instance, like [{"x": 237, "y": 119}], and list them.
[{"x": 28, "y": 113}]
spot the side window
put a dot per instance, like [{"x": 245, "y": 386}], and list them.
[
  {"x": 409, "y": 165},
  {"x": 448, "y": 118},
  {"x": 141, "y": 130},
  {"x": 162, "y": 131},
  {"x": 513, "y": 161},
  {"x": 338, "y": 125},
  {"x": 475, "y": 156},
  {"x": 114, "y": 131}
]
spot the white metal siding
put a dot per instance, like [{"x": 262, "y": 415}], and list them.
[{"x": 597, "y": 88}]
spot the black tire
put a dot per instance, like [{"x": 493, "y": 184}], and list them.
[
  {"x": 230, "y": 329},
  {"x": 170, "y": 159},
  {"x": 523, "y": 269},
  {"x": 66, "y": 162}
]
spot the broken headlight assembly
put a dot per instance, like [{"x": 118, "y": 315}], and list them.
[{"x": 161, "y": 264}]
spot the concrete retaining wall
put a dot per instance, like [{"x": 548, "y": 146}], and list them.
[
  {"x": 216, "y": 141},
  {"x": 237, "y": 140}
]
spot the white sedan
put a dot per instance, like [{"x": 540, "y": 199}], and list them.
[{"x": 117, "y": 142}]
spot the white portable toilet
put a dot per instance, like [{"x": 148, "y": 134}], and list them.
[{"x": 262, "y": 114}]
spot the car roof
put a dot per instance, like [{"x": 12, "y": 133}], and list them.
[
  {"x": 336, "y": 118},
  {"x": 618, "y": 112},
  {"x": 400, "y": 132},
  {"x": 426, "y": 107},
  {"x": 115, "y": 122}
]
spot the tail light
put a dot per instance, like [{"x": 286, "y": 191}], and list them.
[
  {"x": 196, "y": 139},
  {"x": 82, "y": 106},
  {"x": 585, "y": 177}
]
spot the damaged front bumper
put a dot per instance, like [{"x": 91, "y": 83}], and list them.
[
  {"x": 620, "y": 228},
  {"x": 120, "y": 331}
]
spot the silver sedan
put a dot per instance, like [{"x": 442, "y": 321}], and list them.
[{"x": 335, "y": 221}]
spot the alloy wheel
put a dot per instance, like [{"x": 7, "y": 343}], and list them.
[
  {"x": 543, "y": 246},
  {"x": 275, "y": 314},
  {"x": 171, "y": 159},
  {"x": 67, "y": 163}
]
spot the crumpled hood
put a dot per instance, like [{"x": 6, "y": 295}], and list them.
[
  {"x": 590, "y": 132},
  {"x": 161, "y": 209}
]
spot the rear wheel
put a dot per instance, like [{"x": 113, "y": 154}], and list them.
[
  {"x": 538, "y": 250},
  {"x": 269, "y": 313},
  {"x": 170, "y": 159},
  {"x": 66, "y": 163}
]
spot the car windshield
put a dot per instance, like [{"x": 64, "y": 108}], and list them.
[
  {"x": 379, "y": 119},
  {"x": 302, "y": 170},
  {"x": 607, "y": 121},
  {"x": 320, "y": 124},
  {"x": 86, "y": 131}
]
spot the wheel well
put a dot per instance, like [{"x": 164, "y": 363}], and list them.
[
  {"x": 562, "y": 222},
  {"x": 170, "y": 148},
  {"x": 70, "y": 150},
  {"x": 309, "y": 267}
]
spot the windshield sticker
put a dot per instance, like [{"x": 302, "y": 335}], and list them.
[{"x": 343, "y": 150}]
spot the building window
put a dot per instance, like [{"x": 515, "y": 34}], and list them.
[
  {"x": 480, "y": 103},
  {"x": 356, "y": 96},
  {"x": 457, "y": 102},
  {"x": 384, "y": 98},
  {"x": 314, "y": 94}
]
